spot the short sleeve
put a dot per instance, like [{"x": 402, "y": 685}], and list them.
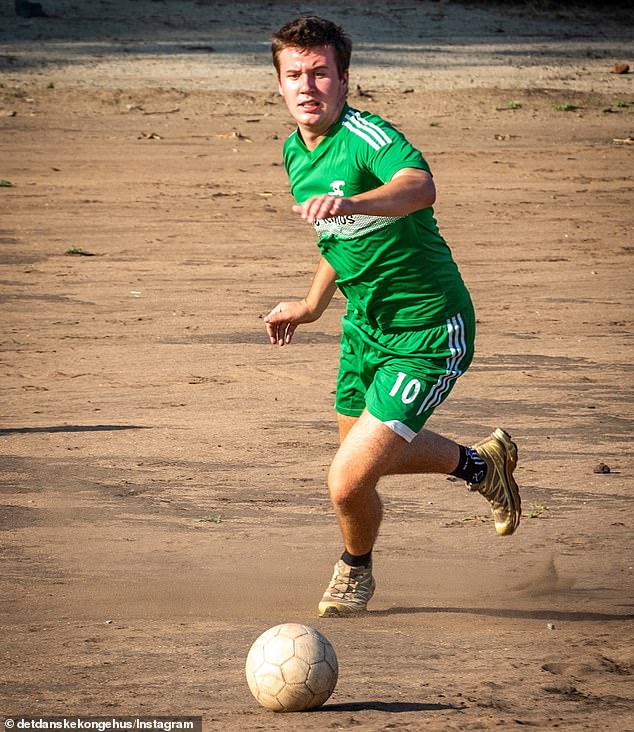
[{"x": 386, "y": 150}]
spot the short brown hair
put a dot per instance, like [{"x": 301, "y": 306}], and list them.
[{"x": 311, "y": 31}]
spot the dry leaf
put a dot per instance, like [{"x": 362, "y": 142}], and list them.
[{"x": 235, "y": 135}]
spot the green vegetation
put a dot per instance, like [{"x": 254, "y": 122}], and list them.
[
  {"x": 511, "y": 104},
  {"x": 536, "y": 509},
  {"x": 209, "y": 520}
]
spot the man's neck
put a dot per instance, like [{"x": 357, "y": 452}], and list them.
[{"x": 312, "y": 136}]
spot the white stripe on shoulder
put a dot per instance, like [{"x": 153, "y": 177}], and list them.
[
  {"x": 368, "y": 131},
  {"x": 362, "y": 135},
  {"x": 380, "y": 133}
]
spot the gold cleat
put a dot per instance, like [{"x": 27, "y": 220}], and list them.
[{"x": 499, "y": 452}]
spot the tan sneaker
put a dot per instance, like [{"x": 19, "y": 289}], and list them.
[
  {"x": 349, "y": 591},
  {"x": 499, "y": 452}
]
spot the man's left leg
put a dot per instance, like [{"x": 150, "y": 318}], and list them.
[
  {"x": 369, "y": 449},
  {"x": 487, "y": 468},
  {"x": 428, "y": 452}
]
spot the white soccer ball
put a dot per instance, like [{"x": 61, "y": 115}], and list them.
[{"x": 292, "y": 668}]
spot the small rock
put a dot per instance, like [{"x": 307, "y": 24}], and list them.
[
  {"x": 550, "y": 626},
  {"x": 620, "y": 69},
  {"x": 27, "y": 9},
  {"x": 601, "y": 468},
  {"x": 363, "y": 93}
]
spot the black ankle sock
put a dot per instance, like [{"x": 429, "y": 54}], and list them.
[
  {"x": 352, "y": 560},
  {"x": 471, "y": 467}
]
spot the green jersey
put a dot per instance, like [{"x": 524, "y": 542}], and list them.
[{"x": 394, "y": 271}]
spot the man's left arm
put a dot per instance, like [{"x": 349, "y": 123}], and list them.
[{"x": 409, "y": 190}]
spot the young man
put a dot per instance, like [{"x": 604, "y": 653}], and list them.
[{"x": 409, "y": 329}]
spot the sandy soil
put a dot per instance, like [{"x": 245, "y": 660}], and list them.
[{"x": 163, "y": 467}]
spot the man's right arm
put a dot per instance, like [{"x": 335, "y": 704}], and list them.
[{"x": 282, "y": 321}]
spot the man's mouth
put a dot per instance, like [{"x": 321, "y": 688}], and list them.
[{"x": 309, "y": 106}]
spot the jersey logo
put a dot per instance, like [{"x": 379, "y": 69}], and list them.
[{"x": 337, "y": 188}]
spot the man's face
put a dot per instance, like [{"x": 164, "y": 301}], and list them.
[{"x": 312, "y": 89}]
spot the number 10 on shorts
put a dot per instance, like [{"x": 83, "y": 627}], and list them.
[{"x": 410, "y": 391}]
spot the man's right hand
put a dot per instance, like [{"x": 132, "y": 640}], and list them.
[{"x": 282, "y": 321}]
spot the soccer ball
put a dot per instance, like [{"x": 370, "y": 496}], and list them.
[{"x": 291, "y": 668}]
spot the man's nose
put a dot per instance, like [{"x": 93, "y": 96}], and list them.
[{"x": 308, "y": 82}]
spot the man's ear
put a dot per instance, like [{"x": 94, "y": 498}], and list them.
[{"x": 345, "y": 79}]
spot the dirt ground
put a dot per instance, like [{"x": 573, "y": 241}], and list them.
[{"x": 163, "y": 467}]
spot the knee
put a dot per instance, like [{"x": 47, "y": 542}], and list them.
[
  {"x": 347, "y": 486},
  {"x": 340, "y": 488}
]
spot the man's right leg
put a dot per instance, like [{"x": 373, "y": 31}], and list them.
[{"x": 367, "y": 446}]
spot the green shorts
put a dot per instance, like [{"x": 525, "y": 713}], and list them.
[{"x": 401, "y": 376}]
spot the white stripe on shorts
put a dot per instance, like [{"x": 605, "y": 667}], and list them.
[
  {"x": 401, "y": 429},
  {"x": 458, "y": 348}
]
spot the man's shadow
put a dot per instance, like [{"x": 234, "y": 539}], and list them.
[
  {"x": 388, "y": 707},
  {"x": 513, "y": 613}
]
